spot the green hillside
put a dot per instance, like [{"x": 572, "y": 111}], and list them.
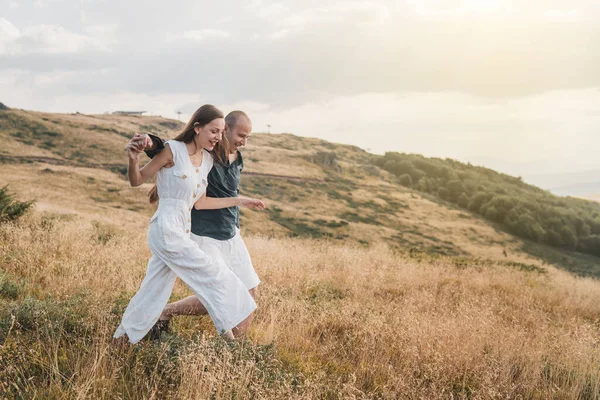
[{"x": 522, "y": 209}]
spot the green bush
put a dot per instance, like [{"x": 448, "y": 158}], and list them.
[
  {"x": 590, "y": 244},
  {"x": 406, "y": 180},
  {"x": 477, "y": 201},
  {"x": 463, "y": 200},
  {"x": 443, "y": 193},
  {"x": 9, "y": 289},
  {"x": 11, "y": 209}
]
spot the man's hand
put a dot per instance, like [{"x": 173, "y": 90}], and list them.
[
  {"x": 139, "y": 143},
  {"x": 253, "y": 204}
]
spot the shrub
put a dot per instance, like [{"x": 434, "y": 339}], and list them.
[
  {"x": 11, "y": 209},
  {"x": 443, "y": 193},
  {"x": 8, "y": 288},
  {"x": 406, "y": 180},
  {"x": 463, "y": 200}
]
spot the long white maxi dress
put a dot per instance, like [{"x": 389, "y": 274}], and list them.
[{"x": 175, "y": 254}]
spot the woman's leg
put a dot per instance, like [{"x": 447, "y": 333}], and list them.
[
  {"x": 241, "y": 330},
  {"x": 146, "y": 306}
]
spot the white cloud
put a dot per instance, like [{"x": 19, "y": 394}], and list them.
[
  {"x": 7, "y": 30},
  {"x": 273, "y": 10},
  {"x": 106, "y": 34},
  {"x": 358, "y": 12},
  {"x": 44, "y": 39},
  {"x": 206, "y": 34},
  {"x": 556, "y": 130},
  {"x": 280, "y": 34},
  {"x": 22, "y": 90},
  {"x": 562, "y": 15}
]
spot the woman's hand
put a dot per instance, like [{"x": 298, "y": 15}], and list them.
[
  {"x": 138, "y": 176},
  {"x": 139, "y": 143},
  {"x": 253, "y": 204}
]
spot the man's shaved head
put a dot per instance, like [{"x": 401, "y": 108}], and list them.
[
  {"x": 233, "y": 117},
  {"x": 238, "y": 129}
]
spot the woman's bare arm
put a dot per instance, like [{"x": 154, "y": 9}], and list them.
[
  {"x": 214, "y": 203},
  {"x": 138, "y": 175}
]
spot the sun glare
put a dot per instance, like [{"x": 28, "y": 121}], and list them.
[{"x": 483, "y": 6}]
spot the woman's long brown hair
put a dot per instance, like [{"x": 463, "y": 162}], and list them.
[{"x": 203, "y": 116}]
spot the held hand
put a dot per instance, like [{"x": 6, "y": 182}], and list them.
[
  {"x": 139, "y": 143},
  {"x": 253, "y": 204},
  {"x": 133, "y": 147},
  {"x": 147, "y": 140}
]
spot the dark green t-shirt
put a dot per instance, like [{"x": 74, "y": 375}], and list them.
[{"x": 223, "y": 181}]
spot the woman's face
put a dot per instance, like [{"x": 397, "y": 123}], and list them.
[{"x": 208, "y": 135}]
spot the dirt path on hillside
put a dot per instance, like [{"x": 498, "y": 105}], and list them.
[
  {"x": 113, "y": 167},
  {"x": 59, "y": 161}
]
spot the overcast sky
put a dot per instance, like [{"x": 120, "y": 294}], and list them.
[{"x": 514, "y": 85}]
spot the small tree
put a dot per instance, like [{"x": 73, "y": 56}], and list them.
[
  {"x": 11, "y": 209},
  {"x": 406, "y": 180},
  {"x": 490, "y": 213},
  {"x": 477, "y": 201},
  {"x": 455, "y": 188},
  {"x": 569, "y": 238},
  {"x": 463, "y": 200},
  {"x": 590, "y": 244},
  {"x": 443, "y": 193}
]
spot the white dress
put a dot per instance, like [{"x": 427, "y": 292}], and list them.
[{"x": 175, "y": 254}]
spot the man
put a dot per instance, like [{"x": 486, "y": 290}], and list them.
[{"x": 217, "y": 231}]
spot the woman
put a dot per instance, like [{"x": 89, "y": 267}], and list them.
[{"x": 182, "y": 170}]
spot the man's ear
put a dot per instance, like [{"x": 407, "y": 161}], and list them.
[{"x": 226, "y": 129}]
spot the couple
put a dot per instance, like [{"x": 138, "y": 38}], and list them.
[{"x": 197, "y": 184}]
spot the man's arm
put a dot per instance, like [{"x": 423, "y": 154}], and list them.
[{"x": 158, "y": 145}]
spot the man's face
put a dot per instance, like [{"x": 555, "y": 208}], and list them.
[{"x": 239, "y": 134}]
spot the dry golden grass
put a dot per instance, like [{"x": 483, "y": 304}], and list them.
[
  {"x": 281, "y": 162},
  {"x": 89, "y": 139},
  {"x": 333, "y": 322},
  {"x": 97, "y": 194},
  {"x": 89, "y": 193}
]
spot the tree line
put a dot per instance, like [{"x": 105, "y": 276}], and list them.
[{"x": 522, "y": 209}]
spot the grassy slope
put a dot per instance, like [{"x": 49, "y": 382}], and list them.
[
  {"x": 363, "y": 316},
  {"x": 358, "y": 203}
]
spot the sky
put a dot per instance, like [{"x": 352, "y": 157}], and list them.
[{"x": 512, "y": 85}]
